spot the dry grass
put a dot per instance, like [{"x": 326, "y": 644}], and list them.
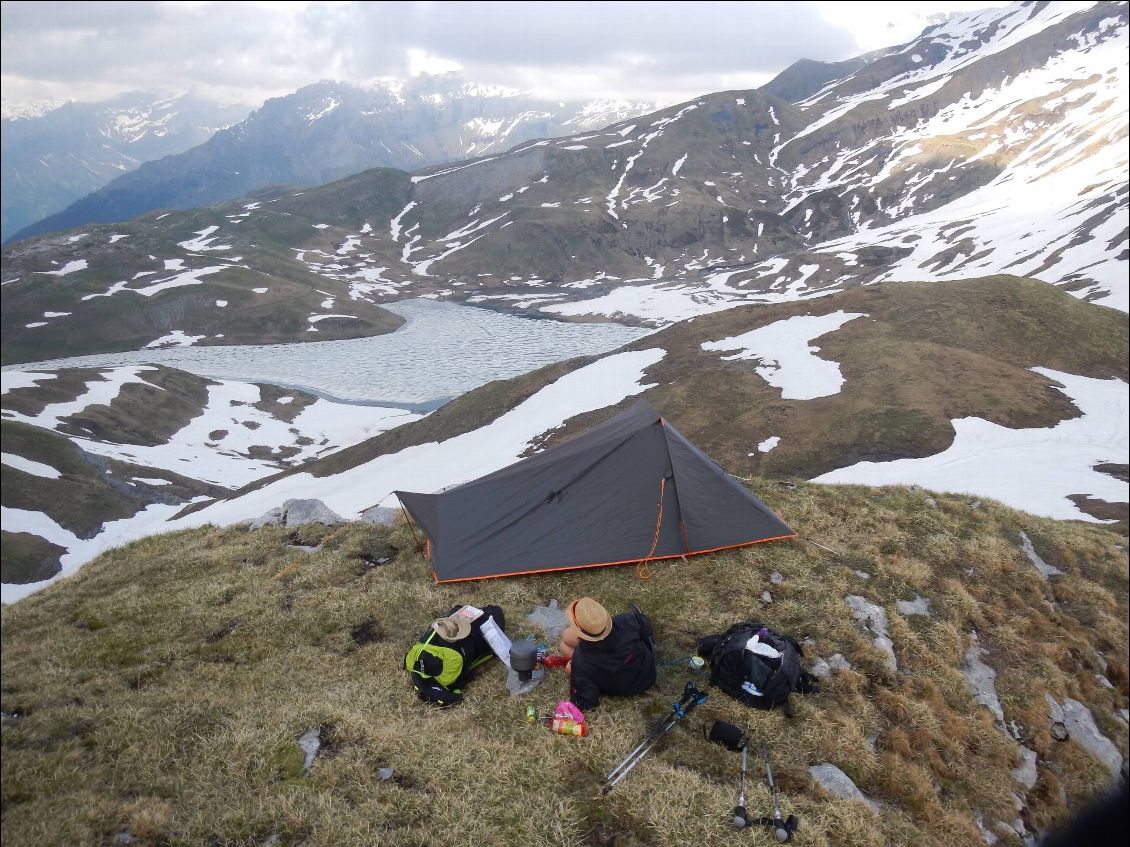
[{"x": 161, "y": 692}]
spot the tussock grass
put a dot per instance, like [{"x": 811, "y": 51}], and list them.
[{"x": 162, "y": 690}]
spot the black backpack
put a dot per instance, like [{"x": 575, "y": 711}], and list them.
[{"x": 759, "y": 681}]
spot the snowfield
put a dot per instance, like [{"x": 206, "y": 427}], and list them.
[{"x": 1035, "y": 470}]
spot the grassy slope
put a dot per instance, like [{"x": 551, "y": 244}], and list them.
[{"x": 161, "y": 690}]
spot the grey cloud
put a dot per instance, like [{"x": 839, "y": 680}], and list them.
[{"x": 644, "y": 48}]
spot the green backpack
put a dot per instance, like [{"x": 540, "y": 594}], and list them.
[{"x": 438, "y": 672}]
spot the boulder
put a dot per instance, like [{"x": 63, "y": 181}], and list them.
[
  {"x": 839, "y": 784},
  {"x": 917, "y": 606},
  {"x": 272, "y": 517},
  {"x": 300, "y": 512},
  {"x": 379, "y": 515},
  {"x": 1080, "y": 724},
  {"x": 823, "y": 668}
]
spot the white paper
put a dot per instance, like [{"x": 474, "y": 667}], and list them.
[{"x": 497, "y": 640}]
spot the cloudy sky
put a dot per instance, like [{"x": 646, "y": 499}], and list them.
[{"x": 244, "y": 52}]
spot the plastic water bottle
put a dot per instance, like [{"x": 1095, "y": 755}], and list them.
[{"x": 564, "y": 726}]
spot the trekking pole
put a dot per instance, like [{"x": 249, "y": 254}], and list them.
[
  {"x": 661, "y": 729},
  {"x": 691, "y": 698},
  {"x": 725, "y": 734},
  {"x": 782, "y": 829},
  {"x": 741, "y": 820}
]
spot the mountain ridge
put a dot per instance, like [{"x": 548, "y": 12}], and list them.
[
  {"x": 330, "y": 130},
  {"x": 991, "y": 144},
  {"x": 55, "y": 156}
]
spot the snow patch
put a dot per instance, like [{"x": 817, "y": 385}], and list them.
[{"x": 787, "y": 361}]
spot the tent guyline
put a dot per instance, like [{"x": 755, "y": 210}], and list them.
[
  {"x": 642, "y": 570},
  {"x": 588, "y": 502}
]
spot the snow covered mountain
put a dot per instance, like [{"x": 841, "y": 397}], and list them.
[
  {"x": 992, "y": 143},
  {"x": 56, "y": 152},
  {"x": 330, "y": 130}
]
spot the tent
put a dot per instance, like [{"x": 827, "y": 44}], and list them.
[{"x": 628, "y": 490}]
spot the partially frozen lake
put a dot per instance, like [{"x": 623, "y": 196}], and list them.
[{"x": 442, "y": 351}]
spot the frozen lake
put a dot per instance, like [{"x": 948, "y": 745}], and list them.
[{"x": 442, "y": 351}]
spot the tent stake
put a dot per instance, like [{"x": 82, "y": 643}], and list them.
[{"x": 822, "y": 547}]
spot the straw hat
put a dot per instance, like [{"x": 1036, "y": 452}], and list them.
[
  {"x": 590, "y": 619},
  {"x": 454, "y": 628}
]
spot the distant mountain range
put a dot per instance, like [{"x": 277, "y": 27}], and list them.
[
  {"x": 994, "y": 143},
  {"x": 328, "y": 131},
  {"x": 57, "y": 153}
]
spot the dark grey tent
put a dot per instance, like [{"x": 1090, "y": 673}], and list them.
[{"x": 628, "y": 490}]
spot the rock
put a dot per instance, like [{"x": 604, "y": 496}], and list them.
[
  {"x": 1026, "y": 774},
  {"x": 1103, "y": 681},
  {"x": 1081, "y": 724},
  {"x": 989, "y": 836},
  {"x": 306, "y": 548},
  {"x": 917, "y": 606},
  {"x": 982, "y": 679},
  {"x": 823, "y": 668},
  {"x": 875, "y": 619},
  {"x": 1125, "y": 715},
  {"x": 379, "y": 515},
  {"x": 776, "y": 578},
  {"x": 311, "y": 742},
  {"x": 1030, "y": 551},
  {"x": 551, "y": 618},
  {"x": 385, "y": 774},
  {"x": 863, "y": 574},
  {"x": 1055, "y": 711},
  {"x": 931, "y": 502},
  {"x": 272, "y": 517},
  {"x": 976, "y": 504},
  {"x": 839, "y": 784},
  {"x": 300, "y": 512},
  {"x": 766, "y": 597}
]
